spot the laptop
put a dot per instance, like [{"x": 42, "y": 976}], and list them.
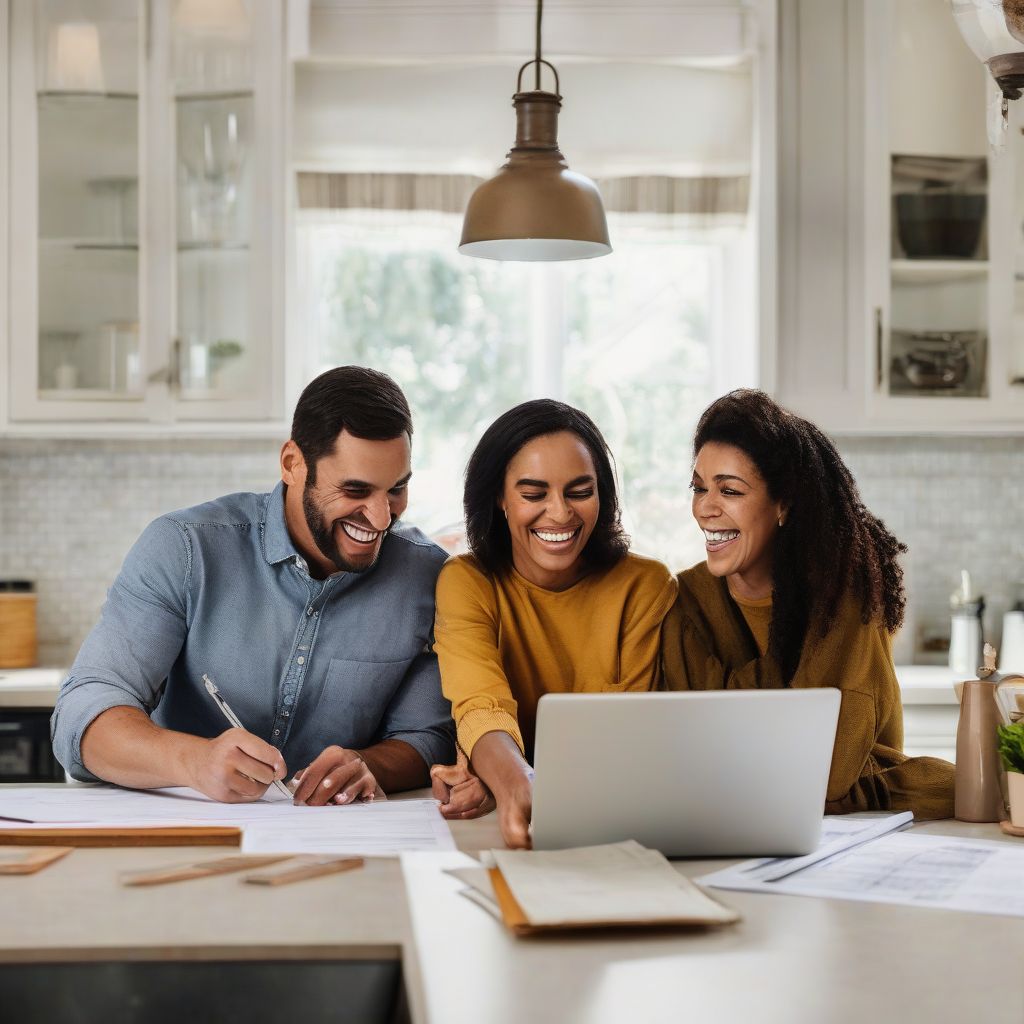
[{"x": 696, "y": 774}]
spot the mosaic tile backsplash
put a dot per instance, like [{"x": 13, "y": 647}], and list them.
[{"x": 69, "y": 510}]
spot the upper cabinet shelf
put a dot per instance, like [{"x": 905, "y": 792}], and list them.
[
  {"x": 908, "y": 271},
  {"x": 144, "y": 138},
  {"x": 84, "y": 96},
  {"x": 206, "y": 97}
]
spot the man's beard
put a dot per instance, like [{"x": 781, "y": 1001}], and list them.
[{"x": 323, "y": 536}]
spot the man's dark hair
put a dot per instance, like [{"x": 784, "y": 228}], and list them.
[
  {"x": 486, "y": 529},
  {"x": 366, "y": 403},
  {"x": 830, "y": 545}
]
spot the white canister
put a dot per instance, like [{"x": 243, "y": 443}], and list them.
[
  {"x": 965, "y": 642},
  {"x": 65, "y": 377},
  {"x": 1011, "y": 651}
]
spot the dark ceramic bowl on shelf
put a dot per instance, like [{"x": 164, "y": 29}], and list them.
[{"x": 939, "y": 225}]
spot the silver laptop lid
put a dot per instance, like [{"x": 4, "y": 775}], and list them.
[{"x": 701, "y": 773}]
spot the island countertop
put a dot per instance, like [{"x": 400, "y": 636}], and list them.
[{"x": 790, "y": 959}]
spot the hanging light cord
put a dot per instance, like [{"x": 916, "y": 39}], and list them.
[
  {"x": 538, "y": 60},
  {"x": 540, "y": 14}
]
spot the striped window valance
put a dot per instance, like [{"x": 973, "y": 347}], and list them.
[{"x": 448, "y": 193}]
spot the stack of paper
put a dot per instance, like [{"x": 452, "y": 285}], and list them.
[
  {"x": 879, "y": 865},
  {"x": 613, "y": 886},
  {"x": 109, "y": 816}
]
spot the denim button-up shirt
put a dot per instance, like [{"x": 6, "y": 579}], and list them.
[{"x": 303, "y": 663}]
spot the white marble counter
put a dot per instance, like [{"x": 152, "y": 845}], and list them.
[
  {"x": 790, "y": 960},
  {"x": 920, "y": 684},
  {"x": 927, "y": 684},
  {"x": 30, "y": 687},
  {"x": 930, "y": 710}
]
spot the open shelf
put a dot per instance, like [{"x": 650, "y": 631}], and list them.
[
  {"x": 907, "y": 271},
  {"x": 89, "y": 244},
  {"x": 87, "y": 395},
  {"x": 213, "y": 247}
]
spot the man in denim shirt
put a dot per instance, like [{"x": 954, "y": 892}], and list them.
[{"x": 310, "y": 607}]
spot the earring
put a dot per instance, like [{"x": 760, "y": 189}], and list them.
[
  {"x": 780, "y": 522},
  {"x": 505, "y": 510}
]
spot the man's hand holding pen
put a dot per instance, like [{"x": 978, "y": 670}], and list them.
[{"x": 235, "y": 767}]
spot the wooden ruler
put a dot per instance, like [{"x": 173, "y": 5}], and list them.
[
  {"x": 303, "y": 868},
  {"x": 27, "y": 860},
  {"x": 202, "y": 869}
]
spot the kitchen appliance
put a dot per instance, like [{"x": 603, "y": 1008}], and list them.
[
  {"x": 1011, "y": 652},
  {"x": 966, "y": 637},
  {"x": 17, "y": 624},
  {"x": 25, "y": 751}
]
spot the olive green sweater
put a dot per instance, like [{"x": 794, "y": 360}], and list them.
[{"x": 707, "y": 644}]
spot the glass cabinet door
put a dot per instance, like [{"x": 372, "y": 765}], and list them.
[
  {"x": 146, "y": 197},
  {"x": 84, "y": 110},
  {"x": 221, "y": 335}
]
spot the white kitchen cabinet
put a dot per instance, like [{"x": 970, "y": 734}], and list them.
[
  {"x": 146, "y": 210},
  {"x": 875, "y": 337}
]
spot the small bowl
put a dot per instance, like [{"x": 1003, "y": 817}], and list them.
[{"x": 939, "y": 225}]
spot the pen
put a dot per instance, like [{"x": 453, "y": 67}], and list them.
[{"x": 211, "y": 689}]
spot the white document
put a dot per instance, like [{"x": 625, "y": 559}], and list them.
[
  {"x": 371, "y": 829},
  {"x": 478, "y": 888},
  {"x": 112, "y": 806},
  {"x": 270, "y": 825},
  {"x": 976, "y": 875},
  {"x": 838, "y": 833}
]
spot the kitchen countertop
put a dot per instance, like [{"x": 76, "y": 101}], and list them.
[
  {"x": 30, "y": 687},
  {"x": 927, "y": 684},
  {"x": 930, "y": 709},
  {"x": 37, "y": 687},
  {"x": 789, "y": 959}
]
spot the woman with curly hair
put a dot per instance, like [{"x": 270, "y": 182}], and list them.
[
  {"x": 802, "y": 587},
  {"x": 550, "y": 600}
]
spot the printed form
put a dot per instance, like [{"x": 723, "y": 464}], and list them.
[{"x": 982, "y": 876}]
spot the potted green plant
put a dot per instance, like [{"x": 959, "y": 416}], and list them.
[{"x": 1011, "y": 750}]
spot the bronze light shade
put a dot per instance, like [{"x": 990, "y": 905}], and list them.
[{"x": 535, "y": 208}]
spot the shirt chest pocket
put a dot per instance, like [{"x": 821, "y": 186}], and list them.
[{"x": 352, "y": 709}]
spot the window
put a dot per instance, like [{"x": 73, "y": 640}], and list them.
[{"x": 641, "y": 340}]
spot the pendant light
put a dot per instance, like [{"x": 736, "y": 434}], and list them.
[
  {"x": 535, "y": 208},
  {"x": 994, "y": 30}
]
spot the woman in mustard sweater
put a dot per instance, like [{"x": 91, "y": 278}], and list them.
[
  {"x": 801, "y": 587},
  {"x": 549, "y": 601}
]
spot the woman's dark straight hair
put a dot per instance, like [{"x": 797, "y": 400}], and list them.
[
  {"x": 830, "y": 546},
  {"x": 366, "y": 403},
  {"x": 486, "y": 529}
]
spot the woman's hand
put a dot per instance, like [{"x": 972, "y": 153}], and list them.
[
  {"x": 460, "y": 791},
  {"x": 515, "y": 807},
  {"x": 500, "y": 762}
]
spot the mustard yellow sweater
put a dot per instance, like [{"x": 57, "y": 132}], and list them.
[
  {"x": 503, "y": 642},
  {"x": 708, "y": 643}
]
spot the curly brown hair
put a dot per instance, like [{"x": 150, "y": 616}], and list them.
[{"x": 830, "y": 545}]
